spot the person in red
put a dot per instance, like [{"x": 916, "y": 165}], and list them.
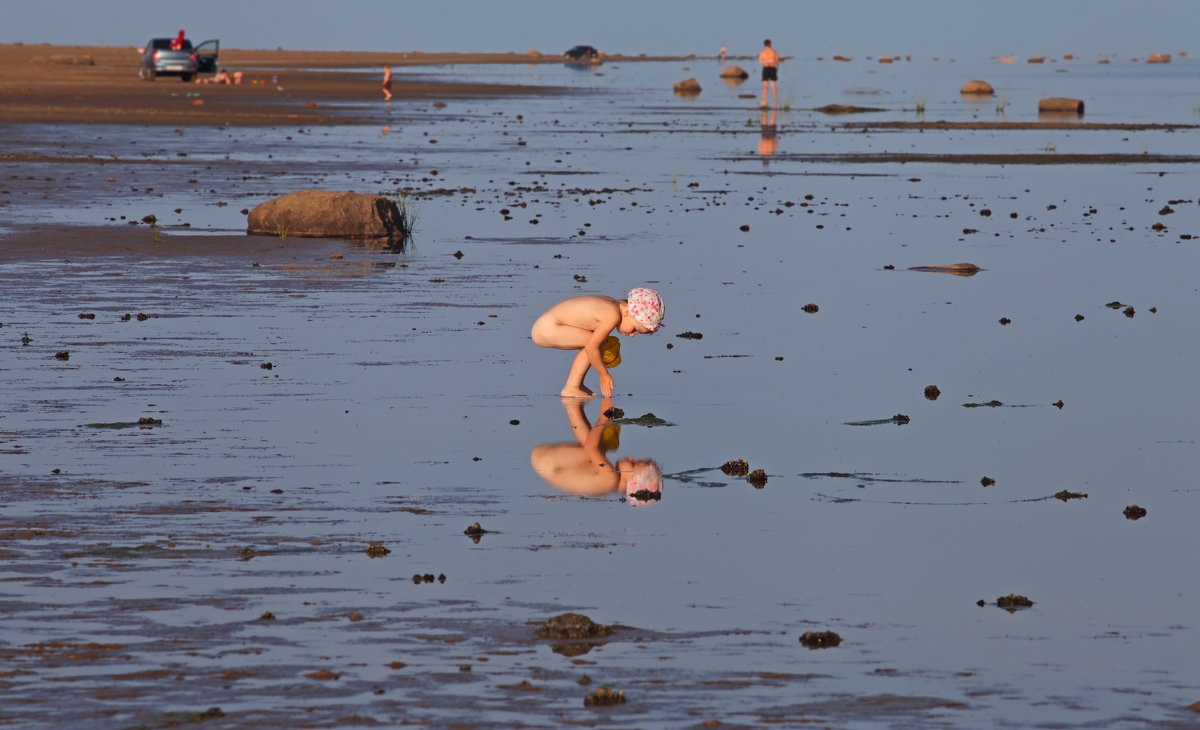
[
  {"x": 177, "y": 42},
  {"x": 769, "y": 60}
]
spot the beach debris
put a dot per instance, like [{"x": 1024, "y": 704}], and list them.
[
  {"x": 375, "y": 550},
  {"x": 690, "y": 335},
  {"x": 1060, "y": 104},
  {"x": 1012, "y": 601},
  {"x": 959, "y": 269},
  {"x": 1037, "y": 59},
  {"x": 810, "y": 308},
  {"x": 330, "y": 214},
  {"x": 687, "y": 87},
  {"x": 845, "y": 109},
  {"x": 63, "y": 355},
  {"x": 820, "y": 639},
  {"x": 734, "y": 72},
  {"x": 1005, "y": 320},
  {"x": 975, "y": 87},
  {"x": 603, "y": 696},
  {"x": 932, "y": 392},
  {"x": 1134, "y": 512},
  {"x": 1066, "y": 496},
  {"x": 736, "y": 468},
  {"x": 614, "y": 413},
  {"x": 645, "y": 495},
  {"x": 419, "y": 578},
  {"x": 987, "y": 481},
  {"x": 572, "y": 626},
  {"x": 1158, "y": 58},
  {"x": 757, "y": 478},
  {"x": 474, "y": 530},
  {"x": 649, "y": 420}
]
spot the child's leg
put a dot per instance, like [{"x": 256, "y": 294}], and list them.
[
  {"x": 575, "y": 387},
  {"x": 548, "y": 333}
]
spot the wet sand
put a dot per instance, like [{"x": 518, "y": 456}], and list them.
[{"x": 326, "y": 419}]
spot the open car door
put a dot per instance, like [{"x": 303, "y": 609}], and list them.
[{"x": 206, "y": 56}]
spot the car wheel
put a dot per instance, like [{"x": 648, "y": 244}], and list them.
[{"x": 150, "y": 74}]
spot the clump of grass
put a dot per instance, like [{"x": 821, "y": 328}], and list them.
[
  {"x": 920, "y": 105},
  {"x": 1001, "y": 104},
  {"x": 410, "y": 210},
  {"x": 281, "y": 230},
  {"x": 1049, "y": 147}
]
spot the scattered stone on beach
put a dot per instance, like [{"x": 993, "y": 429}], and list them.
[
  {"x": 1012, "y": 600},
  {"x": 688, "y": 87},
  {"x": 572, "y": 626},
  {"x": 1060, "y": 104},
  {"x": 603, "y": 696},
  {"x": 987, "y": 481},
  {"x": 645, "y": 495},
  {"x": 149, "y": 421},
  {"x": 1158, "y": 58},
  {"x": 474, "y": 529},
  {"x": 375, "y": 550},
  {"x": 932, "y": 392},
  {"x": 975, "y": 87},
  {"x": 327, "y": 214},
  {"x": 736, "y": 468},
  {"x": 690, "y": 335},
  {"x": 1037, "y": 59},
  {"x": 1134, "y": 512},
  {"x": 1066, "y": 496},
  {"x": 63, "y": 355},
  {"x": 757, "y": 478},
  {"x": 1005, "y": 320},
  {"x": 734, "y": 72},
  {"x": 820, "y": 639},
  {"x": 959, "y": 269},
  {"x": 1058, "y": 404},
  {"x": 1079, "y": 317},
  {"x": 900, "y": 418},
  {"x": 1128, "y": 312},
  {"x": 810, "y": 308}
]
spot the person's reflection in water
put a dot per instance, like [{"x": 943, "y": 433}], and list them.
[
  {"x": 768, "y": 143},
  {"x": 582, "y": 467}
]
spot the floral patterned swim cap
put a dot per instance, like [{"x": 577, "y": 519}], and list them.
[{"x": 646, "y": 308}]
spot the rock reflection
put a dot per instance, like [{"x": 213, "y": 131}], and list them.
[{"x": 582, "y": 467}]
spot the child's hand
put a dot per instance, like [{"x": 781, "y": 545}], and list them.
[{"x": 606, "y": 385}]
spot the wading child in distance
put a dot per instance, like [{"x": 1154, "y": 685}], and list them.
[{"x": 583, "y": 323}]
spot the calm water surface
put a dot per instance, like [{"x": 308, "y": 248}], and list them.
[{"x": 405, "y": 400}]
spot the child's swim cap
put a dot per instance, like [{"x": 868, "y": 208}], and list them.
[
  {"x": 646, "y": 479},
  {"x": 646, "y": 308}
]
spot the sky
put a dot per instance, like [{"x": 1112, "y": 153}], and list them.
[{"x": 922, "y": 28}]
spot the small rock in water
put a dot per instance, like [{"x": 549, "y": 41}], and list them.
[
  {"x": 932, "y": 392},
  {"x": 572, "y": 626},
  {"x": 757, "y": 478},
  {"x": 1012, "y": 600},
  {"x": 987, "y": 481},
  {"x": 810, "y": 308}
]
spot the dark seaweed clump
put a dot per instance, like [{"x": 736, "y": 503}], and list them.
[
  {"x": 736, "y": 468},
  {"x": 820, "y": 639},
  {"x": 1064, "y": 495},
  {"x": 757, "y": 478},
  {"x": 604, "y": 696},
  {"x": 572, "y": 626},
  {"x": 1134, "y": 512},
  {"x": 1012, "y": 600}
]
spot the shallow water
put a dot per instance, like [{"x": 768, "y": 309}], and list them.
[{"x": 386, "y": 416}]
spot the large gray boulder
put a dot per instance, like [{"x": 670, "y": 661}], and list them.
[{"x": 327, "y": 214}]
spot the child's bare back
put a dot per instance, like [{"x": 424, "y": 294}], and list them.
[{"x": 582, "y": 323}]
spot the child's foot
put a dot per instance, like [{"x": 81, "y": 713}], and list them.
[{"x": 580, "y": 392}]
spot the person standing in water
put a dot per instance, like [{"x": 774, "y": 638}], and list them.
[
  {"x": 387, "y": 83},
  {"x": 769, "y": 60}
]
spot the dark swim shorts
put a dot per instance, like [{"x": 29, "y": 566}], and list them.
[{"x": 770, "y": 73}]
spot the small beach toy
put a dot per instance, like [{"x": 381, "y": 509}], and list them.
[{"x": 610, "y": 352}]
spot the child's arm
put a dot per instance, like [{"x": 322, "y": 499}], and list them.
[{"x": 604, "y": 327}]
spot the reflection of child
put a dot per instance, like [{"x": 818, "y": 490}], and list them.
[
  {"x": 582, "y": 323},
  {"x": 582, "y": 467}
]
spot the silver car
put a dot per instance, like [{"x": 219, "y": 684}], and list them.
[{"x": 177, "y": 57}]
